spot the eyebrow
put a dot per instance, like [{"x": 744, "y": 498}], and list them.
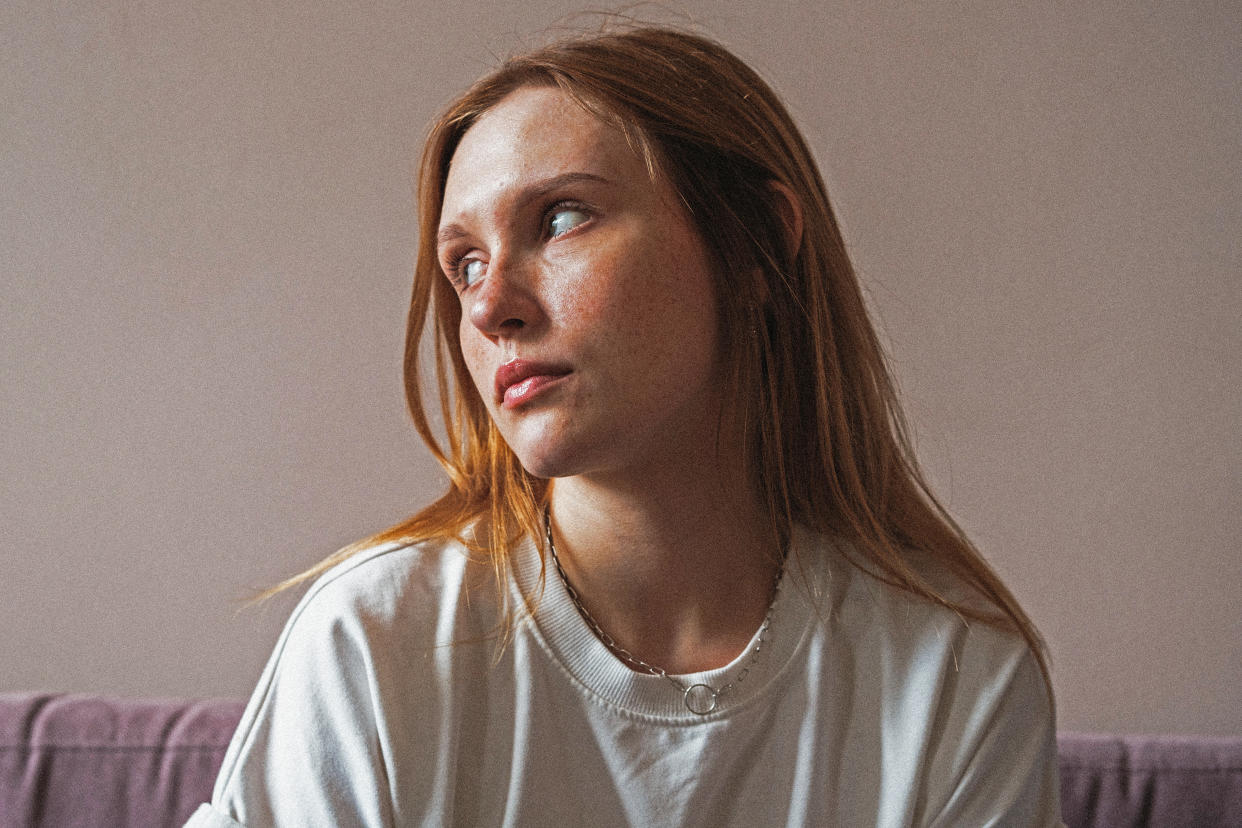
[{"x": 453, "y": 231}]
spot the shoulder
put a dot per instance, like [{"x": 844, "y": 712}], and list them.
[
  {"x": 375, "y": 579},
  {"x": 388, "y": 600},
  {"x": 926, "y": 659},
  {"x": 961, "y": 703},
  {"x": 899, "y": 625},
  {"x": 391, "y": 589},
  {"x": 366, "y": 633}
]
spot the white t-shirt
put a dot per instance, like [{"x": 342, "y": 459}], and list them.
[{"x": 388, "y": 702}]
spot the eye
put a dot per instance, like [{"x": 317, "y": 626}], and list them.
[
  {"x": 463, "y": 270},
  {"x": 564, "y": 219},
  {"x": 469, "y": 271}
]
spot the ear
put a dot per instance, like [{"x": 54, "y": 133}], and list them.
[{"x": 790, "y": 209}]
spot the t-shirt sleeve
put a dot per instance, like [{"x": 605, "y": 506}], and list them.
[
  {"x": 1005, "y": 768},
  {"x": 307, "y": 750}
]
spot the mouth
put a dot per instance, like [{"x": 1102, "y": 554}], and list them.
[{"x": 520, "y": 380}]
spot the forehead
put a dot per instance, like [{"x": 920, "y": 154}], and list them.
[{"x": 532, "y": 134}]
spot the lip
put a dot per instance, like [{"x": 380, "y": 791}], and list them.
[{"x": 519, "y": 380}]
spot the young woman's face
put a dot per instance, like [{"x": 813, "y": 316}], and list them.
[{"x": 588, "y": 313}]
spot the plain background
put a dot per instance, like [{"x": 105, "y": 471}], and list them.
[{"x": 206, "y": 236}]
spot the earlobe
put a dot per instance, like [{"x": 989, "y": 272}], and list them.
[{"x": 790, "y": 208}]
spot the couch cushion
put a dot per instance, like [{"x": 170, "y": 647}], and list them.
[
  {"x": 70, "y": 761},
  {"x": 1150, "y": 780}
]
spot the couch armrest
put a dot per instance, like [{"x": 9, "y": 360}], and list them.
[
  {"x": 1114, "y": 781},
  {"x": 85, "y": 760}
]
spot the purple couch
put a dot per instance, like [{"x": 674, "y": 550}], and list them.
[{"x": 68, "y": 761}]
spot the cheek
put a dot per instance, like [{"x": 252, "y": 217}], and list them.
[
  {"x": 616, "y": 289},
  {"x": 680, "y": 297}
]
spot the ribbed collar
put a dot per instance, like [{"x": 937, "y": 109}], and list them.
[{"x": 565, "y": 636}]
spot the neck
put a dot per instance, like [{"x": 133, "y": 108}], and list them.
[{"x": 678, "y": 568}]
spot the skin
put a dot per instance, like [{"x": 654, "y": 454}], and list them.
[{"x": 564, "y": 252}]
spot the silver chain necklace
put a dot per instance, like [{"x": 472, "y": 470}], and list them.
[{"x": 700, "y": 699}]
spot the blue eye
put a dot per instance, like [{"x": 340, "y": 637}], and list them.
[
  {"x": 564, "y": 220},
  {"x": 471, "y": 270}
]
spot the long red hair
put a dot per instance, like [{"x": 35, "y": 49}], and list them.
[{"x": 829, "y": 448}]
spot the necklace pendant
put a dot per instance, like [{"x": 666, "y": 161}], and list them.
[{"x": 701, "y": 699}]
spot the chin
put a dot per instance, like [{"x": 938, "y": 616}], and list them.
[
  {"x": 549, "y": 458},
  {"x": 545, "y": 466}
]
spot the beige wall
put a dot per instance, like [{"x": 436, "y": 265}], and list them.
[{"x": 205, "y": 239}]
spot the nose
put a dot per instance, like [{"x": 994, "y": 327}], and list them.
[{"x": 504, "y": 302}]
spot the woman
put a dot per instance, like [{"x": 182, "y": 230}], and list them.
[{"x": 686, "y": 572}]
